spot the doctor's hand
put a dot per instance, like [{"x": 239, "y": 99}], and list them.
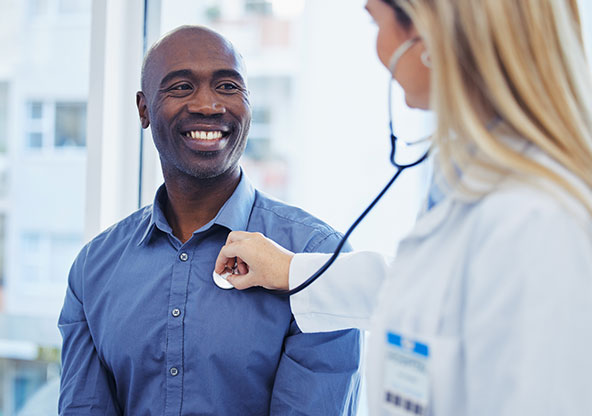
[{"x": 255, "y": 261}]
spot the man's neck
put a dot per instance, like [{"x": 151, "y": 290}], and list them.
[{"x": 192, "y": 203}]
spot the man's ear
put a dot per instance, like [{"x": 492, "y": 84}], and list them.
[{"x": 142, "y": 109}]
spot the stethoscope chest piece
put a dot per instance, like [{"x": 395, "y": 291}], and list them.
[{"x": 221, "y": 282}]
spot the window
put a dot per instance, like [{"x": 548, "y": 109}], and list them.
[
  {"x": 36, "y": 109},
  {"x": 32, "y": 266},
  {"x": 55, "y": 125},
  {"x": 39, "y": 7},
  {"x": 263, "y": 7},
  {"x": 74, "y": 6},
  {"x": 70, "y": 124},
  {"x": 57, "y": 8},
  {"x": 63, "y": 249},
  {"x": 48, "y": 256},
  {"x": 35, "y": 125},
  {"x": 259, "y": 143}
]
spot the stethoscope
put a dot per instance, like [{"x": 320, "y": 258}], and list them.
[{"x": 220, "y": 280}]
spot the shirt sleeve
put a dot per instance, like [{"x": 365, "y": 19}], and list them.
[
  {"x": 344, "y": 296},
  {"x": 86, "y": 386},
  {"x": 318, "y": 374},
  {"x": 528, "y": 332}
]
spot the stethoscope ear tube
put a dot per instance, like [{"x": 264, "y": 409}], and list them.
[{"x": 329, "y": 262}]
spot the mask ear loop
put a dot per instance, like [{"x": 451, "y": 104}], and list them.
[
  {"x": 395, "y": 58},
  {"x": 404, "y": 47},
  {"x": 426, "y": 60}
]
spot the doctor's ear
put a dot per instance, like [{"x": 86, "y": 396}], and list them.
[{"x": 142, "y": 109}]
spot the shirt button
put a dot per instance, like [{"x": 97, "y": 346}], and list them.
[
  {"x": 176, "y": 312},
  {"x": 174, "y": 371},
  {"x": 183, "y": 256}
]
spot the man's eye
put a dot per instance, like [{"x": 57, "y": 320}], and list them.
[
  {"x": 228, "y": 86},
  {"x": 180, "y": 87}
]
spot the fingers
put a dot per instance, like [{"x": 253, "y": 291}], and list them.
[
  {"x": 226, "y": 259},
  {"x": 235, "y": 251},
  {"x": 254, "y": 260},
  {"x": 241, "y": 282},
  {"x": 241, "y": 266}
]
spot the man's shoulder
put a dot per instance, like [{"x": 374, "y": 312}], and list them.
[
  {"x": 131, "y": 228},
  {"x": 291, "y": 226},
  {"x": 111, "y": 244}
]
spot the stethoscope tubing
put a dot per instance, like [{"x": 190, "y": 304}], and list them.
[{"x": 331, "y": 260}]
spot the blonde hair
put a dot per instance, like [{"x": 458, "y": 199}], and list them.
[{"x": 522, "y": 62}]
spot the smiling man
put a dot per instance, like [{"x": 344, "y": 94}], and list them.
[{"x": 145, "y": 329}]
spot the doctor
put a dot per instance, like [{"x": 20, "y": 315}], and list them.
[{"x": 487, "y": 309}]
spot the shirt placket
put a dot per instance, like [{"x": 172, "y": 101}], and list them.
[{"x": 175, "y": 330}]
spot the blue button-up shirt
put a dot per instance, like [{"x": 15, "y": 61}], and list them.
[{"x": 147, "y": 332}]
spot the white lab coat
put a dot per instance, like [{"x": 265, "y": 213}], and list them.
[{"x": 499, "y": 288}]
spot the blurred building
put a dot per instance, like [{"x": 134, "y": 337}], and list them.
[{"x": 43, "y": 94}]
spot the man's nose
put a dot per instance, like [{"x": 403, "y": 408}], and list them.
[{"x": 205, "y": 103}]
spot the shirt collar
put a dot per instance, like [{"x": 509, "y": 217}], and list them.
[
  {"x": 236, "y": 211},
  {"x": 234, "y": 214}
]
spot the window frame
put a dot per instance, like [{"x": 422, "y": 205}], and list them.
[{"x": 113, "y": 129}]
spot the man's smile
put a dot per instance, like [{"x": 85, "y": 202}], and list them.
[
  {"x": 204, "y": 135},
  {"x": 206, "y": 138}
]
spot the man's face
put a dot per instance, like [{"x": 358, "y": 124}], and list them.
[{"x": 197, "y": 103}]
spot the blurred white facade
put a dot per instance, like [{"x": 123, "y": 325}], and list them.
[{"x": 43, "y": 95}]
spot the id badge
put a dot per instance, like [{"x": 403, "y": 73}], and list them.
[{"x": 406, "y": 377}]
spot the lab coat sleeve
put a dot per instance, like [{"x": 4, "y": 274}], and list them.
[
  {"x": 86, "y": 386},
  {"x": 344, "y": 296},
  {"x": 528, "y": 326}
]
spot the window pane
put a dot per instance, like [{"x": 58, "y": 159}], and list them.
[
  {"x": 39, "y": 7},
  {"x": 70, "y": 124},
  {"x": 262, "y": 7},
  {"x": 63, "y": 249},
  {"x": 74, "y": 6},
  {"x": 36, "y": 110},
  {"x": 32, "y": 267},
  {"x": 35, "y": 140}
]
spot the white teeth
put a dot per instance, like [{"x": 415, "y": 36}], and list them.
[{"x": 204, "y": 135}]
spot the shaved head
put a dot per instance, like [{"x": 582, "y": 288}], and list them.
[{"x": 180, "y": 35}]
